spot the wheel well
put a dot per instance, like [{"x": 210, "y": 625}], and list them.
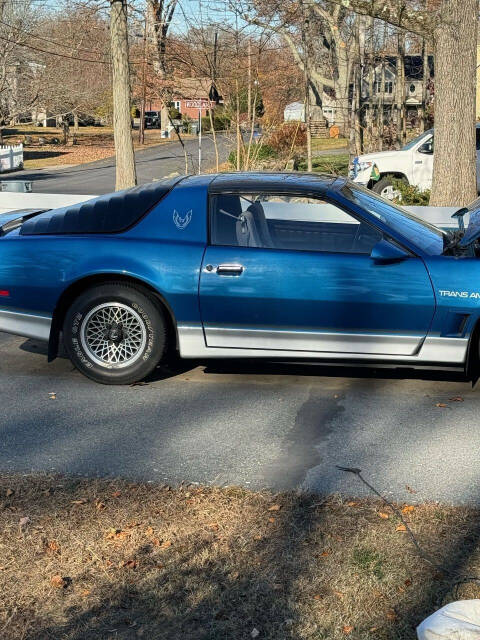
[
  {"x": 78, "y": 287},
  {"x": 472, "y": 364},
  {"x": 388, "y": 174}
]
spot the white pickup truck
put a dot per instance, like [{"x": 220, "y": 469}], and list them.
[{"x": 413, "y": 164}]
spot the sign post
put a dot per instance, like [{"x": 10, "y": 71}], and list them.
[
  {"x": 199, "y": 139},
  {"x": 199, "y": 104}
]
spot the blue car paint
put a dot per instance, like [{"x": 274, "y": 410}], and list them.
[
  {"x": 302, "y": 290},
  {"x": 37, "y": 269},
  {"x": 289, "y": 290}
]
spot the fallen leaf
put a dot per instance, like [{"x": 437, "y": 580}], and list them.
[
  {"x": 166, "y": 544},
  {"x": 407, "y": 582},
  {"x": 347, "y": 629},
  {"x": 275, "y": 507},
  {"x": 408, "y": 508},
  {"x": 52, "y": 547},
  {"x": 401, "y": 527},
  {"x": 214, "y": 526},
  {"x": 456, "y": 399},
  {"x": 85, "y": 592},
  {"x": 52, "y": 395},
  {"x": 117, "y": 534},
  {"x": 391, "y": 615},
  {"x": 257, "y": 537},
  {"x": 372, "y": 629},
  {"x": 324, "y": 554},
  {"x": 352, "y": 503},
  {"x": 23, "y": 522},
  {"x": 116, "y": 494},
  {"x": 339, "y": 594},
  {"x": 409, "y": 489},
  {"x": 441, "y": 404},
  {"x": 129, "y": 564},
  {"x": 99, "y": 505},
  {"x": 59, "y": 582},
  {"x": 383, "y": 515},
  {"x": 9, "y": 492},
  {"x": 80, "y": 501},
  {"x": 149, "y": 532},
  {"x": 272, "y": 520},
  {"x": 255, "y": 633}
]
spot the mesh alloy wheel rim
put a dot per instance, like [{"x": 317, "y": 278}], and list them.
[
  {"x": 113, "y": 335},
  {"x": 390, "y": 193}
]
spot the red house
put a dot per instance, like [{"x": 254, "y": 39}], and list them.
[{"x": 189, "y": 95}]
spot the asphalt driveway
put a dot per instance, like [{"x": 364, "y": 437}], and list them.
[
  {"x": 256, "y": 425},
  {"x": 152, "y": 163}
]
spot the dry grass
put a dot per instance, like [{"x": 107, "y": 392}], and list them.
[
  {"x": 322, "y": 144},
  {"x": 94, "y": 143},
  {"x": 103, "y": 559}
]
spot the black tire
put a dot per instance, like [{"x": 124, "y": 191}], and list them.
[
  {"x": 383, "y": 184},
  {"x": 115, "y": 321}
]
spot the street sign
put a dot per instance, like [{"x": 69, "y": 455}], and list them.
[{"x": 197, "y": 104}]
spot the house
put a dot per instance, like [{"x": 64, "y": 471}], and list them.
[
  {"x": 189, "y": 96},
  {"x": 296, "y": 110},
  {"x": 385, "y": 79}
]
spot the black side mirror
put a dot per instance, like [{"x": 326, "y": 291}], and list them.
[
  {"x": 426, "y": 147},
  {"x": 385, "y": 252}
]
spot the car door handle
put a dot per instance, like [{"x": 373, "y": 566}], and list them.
[{"x": 229, "y": 269}]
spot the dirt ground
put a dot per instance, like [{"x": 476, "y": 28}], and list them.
[{"x": 107, "y": 559}]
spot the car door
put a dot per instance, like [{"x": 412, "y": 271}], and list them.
[
  {"x": 422, "y": 158},
  {"x": 294, "y": 273}
]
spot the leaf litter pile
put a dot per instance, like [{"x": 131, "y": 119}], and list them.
[{"x": 94, "y": 559}]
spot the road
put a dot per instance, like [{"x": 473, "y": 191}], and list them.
[
  {"x": 99, "y": 177},
  {"x": 255, "y": 425}
]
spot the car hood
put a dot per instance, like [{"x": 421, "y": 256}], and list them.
[{"x": 372, "y": 157}]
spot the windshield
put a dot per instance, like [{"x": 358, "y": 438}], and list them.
[
  {"x": 422, "y": 234},
  {"x": 413, "y": 142}
]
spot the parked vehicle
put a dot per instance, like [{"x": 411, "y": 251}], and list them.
[
  {"x": 413, "y": 164},
  {"x": 152, "y": 119},
  {"x": 279, "y": 266}
]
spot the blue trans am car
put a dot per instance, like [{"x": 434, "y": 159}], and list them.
[{"x": 253, "y": 265}]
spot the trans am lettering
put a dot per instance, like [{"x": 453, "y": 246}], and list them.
[
  {"x": 182, "y": 223},
  {"x": 459, "y": 294}
]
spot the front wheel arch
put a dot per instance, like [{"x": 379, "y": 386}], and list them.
[
  {"x": 79, "y": 286},
  {"x": 388, "y": 174}
]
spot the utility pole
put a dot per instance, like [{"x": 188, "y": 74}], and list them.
[
  {"x": 141, "y": 129},
  {"x": 306, "y": 72},
  {"x": 122, "y": 130},
  {"x": 249, "y": 86}
]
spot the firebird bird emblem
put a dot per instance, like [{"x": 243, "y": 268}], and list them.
[{"x": 182, "y": 223}]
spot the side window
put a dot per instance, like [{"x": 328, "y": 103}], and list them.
[
  {"x": 477, "y": 130},
  {"x": 288, "y": 222}
]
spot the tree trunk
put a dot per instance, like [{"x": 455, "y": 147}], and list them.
[
  {"x": 422, "y": 112},
  {"x": 400, "y": 93},
  {"x": 454, "y": 172},
  {"x": 125, "y": 158}
]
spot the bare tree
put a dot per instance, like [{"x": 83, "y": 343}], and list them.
[
  {"x": 452, "y": 27},
  {"x": 125, "y": 157}
]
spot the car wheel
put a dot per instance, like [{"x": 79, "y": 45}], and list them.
[
  {"x": 385, "y": 188},
  {"x": 115, "y": 334}
]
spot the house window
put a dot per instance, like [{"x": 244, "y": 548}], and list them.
[{"x": 388, "y": 88}]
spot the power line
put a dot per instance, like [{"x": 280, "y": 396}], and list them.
[
  {"x": 55, "y": 42},
  {"x": 54, "y": 53}
]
